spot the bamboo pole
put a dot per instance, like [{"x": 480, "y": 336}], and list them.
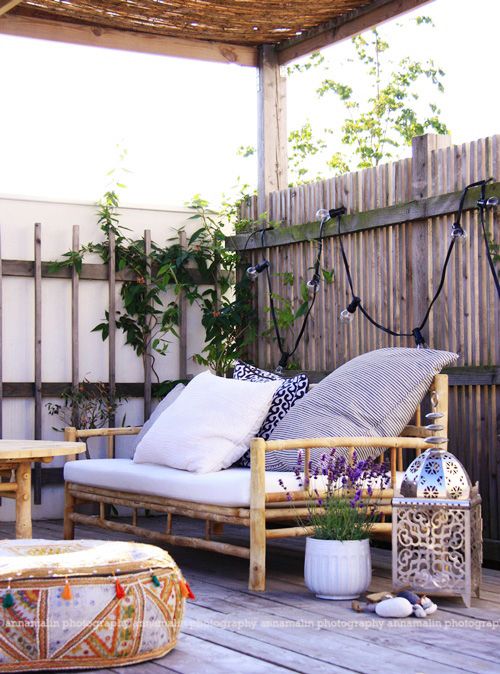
[
  {"x": 257, "y": 579},
  {"x": 183, "y": 541}
]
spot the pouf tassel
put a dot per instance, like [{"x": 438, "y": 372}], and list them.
[
  {"x": 120, "y": 592},
  {"x": 8, "y": 599},
  {"x": 66, "y": 593},
  {"x": 155, "y": 580},
  {"x": 186, "y": 591}
]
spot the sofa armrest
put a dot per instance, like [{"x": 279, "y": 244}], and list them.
[
  {"x": 72, "y": 434},
  {"x": 259, "y": 447}
]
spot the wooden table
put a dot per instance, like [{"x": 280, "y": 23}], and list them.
[{"x": 18, "y": 455}]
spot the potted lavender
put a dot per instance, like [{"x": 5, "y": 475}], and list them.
[{"x": 342, "y": 513}]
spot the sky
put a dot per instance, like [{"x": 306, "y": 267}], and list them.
[{"x": 67, "y": 111}]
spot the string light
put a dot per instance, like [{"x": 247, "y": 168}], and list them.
[
  {"x": 457, "y": 234},
  {"x": 253, "y": 272}
]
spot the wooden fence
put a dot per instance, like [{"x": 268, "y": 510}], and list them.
[
  {"x": 397, "y": 233},
  {"x": 38, "y": 270}
]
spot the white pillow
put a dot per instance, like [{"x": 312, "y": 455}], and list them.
[
  {"x": 170, "y": 398},
  {"x": 209, "y": 426}
]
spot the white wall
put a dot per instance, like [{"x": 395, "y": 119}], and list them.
[{"x": 17, "y": 218}]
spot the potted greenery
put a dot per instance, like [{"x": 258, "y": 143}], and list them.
[{"x": 342, "y": 513}]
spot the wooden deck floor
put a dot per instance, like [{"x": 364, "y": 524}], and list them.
[{"x": 229, "y": 629}]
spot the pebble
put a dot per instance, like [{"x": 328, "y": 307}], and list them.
[{"x": 398, "y": 607}]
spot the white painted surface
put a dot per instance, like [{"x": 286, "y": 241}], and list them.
[{"x": 17, "y": 217}]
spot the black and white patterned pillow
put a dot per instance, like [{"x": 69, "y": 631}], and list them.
[
  {"x": 375, "y": 394},
  {"x": 284, "y": 399}
]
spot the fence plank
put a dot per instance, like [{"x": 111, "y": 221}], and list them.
[
  {"x": 148, "y": 353},
  {"x": 37, "y": 486},
  {"x": 112, "y": 325},
  {"x": 407, "y": 212},
  {"x": 182, "y": 321},
  {"x": 75, "y": 338},
  {"x": 1, "y": 338}
]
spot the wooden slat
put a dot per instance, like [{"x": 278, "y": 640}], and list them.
[
  {"x": 1, "y": 338},
  {"x": 90, "y": 272},
  {"x": 112, "y": 324},
  {"x": 38, "y": 356},
  {"x": 146, "y": 43},
  {"x": 75, "y": 334},
  {"x": 368, "y": 219},
  {"x": 148, "y": 351},
  {"x": 182, "y": 321},
  {"x": 7, "y": 5}
]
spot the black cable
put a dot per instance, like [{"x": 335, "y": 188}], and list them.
[
  {"x": 482, "y": 208},
  {"x": 286, "y": 355},
  {"x": 416, "y": 332}
]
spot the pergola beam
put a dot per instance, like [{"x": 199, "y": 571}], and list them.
[
  {"x": 344, "y": 27},
  {"x": 63, "y": 31},
  {"x": 7, "y": 5}
]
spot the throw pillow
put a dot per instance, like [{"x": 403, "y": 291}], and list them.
[
  {"x": 289, "y": 391},
  {"x": 162, "y": 405},
  {"x": 375, "y": 394},
  {"x": 209, "y": 426}
]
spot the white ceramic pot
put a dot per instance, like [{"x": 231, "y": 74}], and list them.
[{"x": 337, "y": 569}]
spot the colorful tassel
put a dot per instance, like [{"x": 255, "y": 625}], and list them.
[
  {"x": 155, "y": 580},
  {"x": 120, "y": 592},
  {"x": 186, "y": 591},
  {"x": 8, "y": 599},
  {"x": 66, "y": 593}
]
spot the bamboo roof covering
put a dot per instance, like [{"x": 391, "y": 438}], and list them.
[
  {"x": 230, "y": 30},
  {"x": 245, "y": 22}
]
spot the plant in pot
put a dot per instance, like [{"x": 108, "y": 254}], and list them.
[{"x": 341, "y": 513}]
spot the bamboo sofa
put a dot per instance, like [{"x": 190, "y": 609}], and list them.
[{"x": 264, "y": 508}]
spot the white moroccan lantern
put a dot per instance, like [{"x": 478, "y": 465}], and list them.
[{"x": 437, "y": 526}]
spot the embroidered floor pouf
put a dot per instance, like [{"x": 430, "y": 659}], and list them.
[{"x": 86, "y": 604}]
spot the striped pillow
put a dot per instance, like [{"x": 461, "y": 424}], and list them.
[{"x": 375, "y": 394}]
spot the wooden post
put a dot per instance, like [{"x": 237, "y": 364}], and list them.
[
  {"x": 38, "y": 355},
  {"x": 75, "y": 351},
  {"x": 257, "y": 577},
  {"x": 69, "y": 506},
  {"x": 148, "y": 350},
  {"x": 112, "y": 324},
  {"x": 420, "y": 262},
  {"x": 272, "y": 137},
  {"x": 23, "y": 500},
  {"x": 1, "y": 342},
  {"x": 182, "y": 322}
]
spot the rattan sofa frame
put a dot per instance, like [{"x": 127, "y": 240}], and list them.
[{"x": 268, "y": 511}]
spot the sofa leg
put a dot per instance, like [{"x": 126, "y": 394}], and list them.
[
  {"x": 69, "y": 507},
  {"x": 257, "y": 579}
]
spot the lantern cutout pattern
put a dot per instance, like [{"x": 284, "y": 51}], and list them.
[{"x": 437, "y": 526}]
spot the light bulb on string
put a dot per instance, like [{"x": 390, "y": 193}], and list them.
[
  {"x": 253, "y": 272},
  {"x": 313, "y": 285},
  {"x": 458, "y": 233},
  {"x": 322, "y": 214},
  {"x": 347, "y": 315}
]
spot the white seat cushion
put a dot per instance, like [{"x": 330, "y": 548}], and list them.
[{"x": 229, "y": 487}]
